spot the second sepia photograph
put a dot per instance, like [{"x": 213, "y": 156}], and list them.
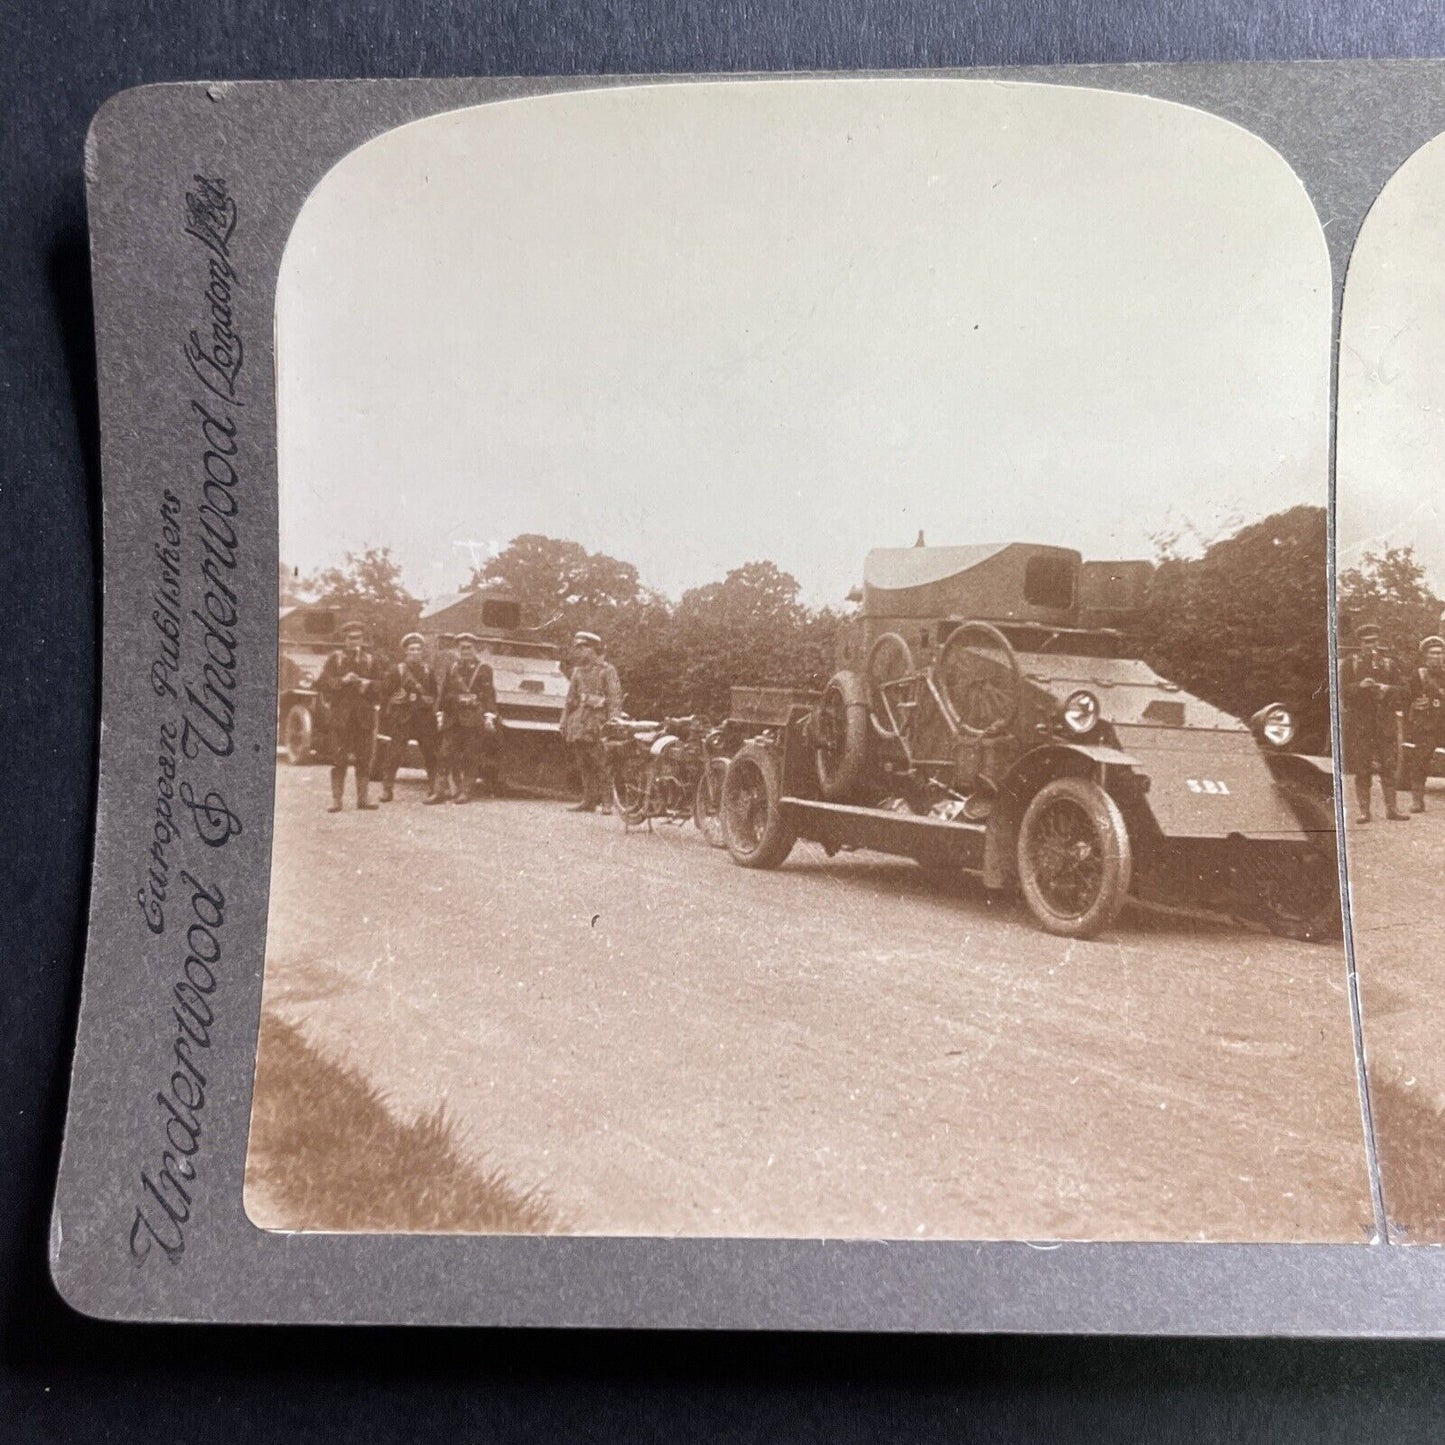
[
  {"x": 804, "y": 689},
  {"x": 1390, "y": 538}
]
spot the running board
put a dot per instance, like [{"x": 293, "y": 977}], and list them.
[{"x": 907, "y": 835}]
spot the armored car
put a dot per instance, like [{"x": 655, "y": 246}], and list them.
[{"x": 990, "y": 714}]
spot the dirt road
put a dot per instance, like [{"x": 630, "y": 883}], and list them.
[
  {"x": 1399, "y": 923},
  {"x": 668, "y": 1044}
]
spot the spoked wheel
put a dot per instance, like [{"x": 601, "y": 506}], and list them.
[
  {"x": 707, "y": 803},
  {"x": 978, "y": 673},
  {"x": 757, "y": 834},
  {"x": 1075, "y": 860},
  {"x": 840, "y": 737},
  {"x": 1298, "y": 884},
  {"x": 890, "y": 666},
  {"x": 629, "y": 789}
]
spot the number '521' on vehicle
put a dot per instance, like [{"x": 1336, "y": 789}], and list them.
[{"x": 989, "y": 714}]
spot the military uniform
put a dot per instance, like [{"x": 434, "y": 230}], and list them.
[
  {"x": 408, "y": 715},
  {"x": 468, "y": 705},
  {"x": 1371, "y": 689},
  {"x": 1424, "y": 722},
  {"x": 445, "y": 660},
  {"x": 594, "y": 695},
  {"x": 349, "y": 685}
]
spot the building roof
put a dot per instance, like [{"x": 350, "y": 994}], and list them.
[{"x": 442, "y": 605}]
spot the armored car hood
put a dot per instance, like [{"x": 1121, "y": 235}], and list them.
[{"x": 1129, "y": 691}]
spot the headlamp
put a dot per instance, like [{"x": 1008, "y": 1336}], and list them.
[
  {"x": 1274, "y": 725},
  {"x": 1081, "y": 712}
]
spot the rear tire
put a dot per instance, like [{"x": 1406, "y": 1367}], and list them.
[
  {"x": 707, "y": 804},
  {"x": 298, "y": 734},
  {"x": 757, "y": 834},
  {"x": 1075, "y": 860}
]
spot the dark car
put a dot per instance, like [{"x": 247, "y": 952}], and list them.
[
  {"x": 990, "y": 715},
  {"x": 308, "y": 635}
]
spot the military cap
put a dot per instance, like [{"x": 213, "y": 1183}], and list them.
[
  {"x": 467, "y": 637},
  {"x": 445, "y": 637},
  {"x": 413, "y": 637},
  {"x": 1427, "y": 644},
  {"x": 352, "y": 625},
  {"x": 591, "y": 639},
  {"x": 1367, "y": 629}
]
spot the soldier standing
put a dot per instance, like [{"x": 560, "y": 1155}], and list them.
[
  {"x": 409, "y": 714},
  {"x": 348, "y": 685},
  {"x": 1425, "y": 718},
  {"x": 468, "y": 706},
  {"x": 445, "y": 660},
  {"x": 594, "y": 695},
  {"x": 1371, "y": 688}
]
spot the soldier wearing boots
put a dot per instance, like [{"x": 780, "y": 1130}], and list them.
[
  {"x": 1425, "y": 718},
  {"x": 349, "y": 685},
  {"x": 1371, "y": 689},
  {"x": 594, "y": 695},
  {"x": 409, "y": 714},
  {"x": 468, "y": 707}
]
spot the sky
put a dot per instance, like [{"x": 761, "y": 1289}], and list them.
[
  {"x": 698, "y": 325},
  {"x": 1391, "y": 444}
]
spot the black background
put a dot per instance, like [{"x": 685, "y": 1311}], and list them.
[{"x": 66, "y": 1378}]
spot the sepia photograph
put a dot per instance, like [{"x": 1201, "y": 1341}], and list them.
[
  {"x": 803, "y": 705},
  {"x": 1391, "y": 584}
]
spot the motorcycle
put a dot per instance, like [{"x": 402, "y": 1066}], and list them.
[{"x": 667, "y": 772}]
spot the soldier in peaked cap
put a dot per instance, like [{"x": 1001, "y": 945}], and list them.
[
  {"x": 349, "y": 684},
  {"x": 1371, "y": 690},
  {"x": 594, "y": 695},
  {"x": 1424, "y": 718},
  {"x": 468, "y": 706},
  {"x": 409, "y": 714}
]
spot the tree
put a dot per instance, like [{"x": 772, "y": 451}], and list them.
[
  {"x": 563, "y": 588},
  {"x": 559, "y": 582},
  {"x": 1247, "y": 623},
  {"x": 367, "y": 587},
  {"x": 1388, "y": 587},
  {"x": 750, "y": 629}
]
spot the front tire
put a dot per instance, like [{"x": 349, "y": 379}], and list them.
[
  {"x": 629, "y": 789},
  {"x": 707, "y": 804},
  {"x": 757, "y": 834},
  {"x": 1075, "y": 860}
]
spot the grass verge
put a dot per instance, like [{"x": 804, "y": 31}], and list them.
[{"x": 327, "y": 1154}]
